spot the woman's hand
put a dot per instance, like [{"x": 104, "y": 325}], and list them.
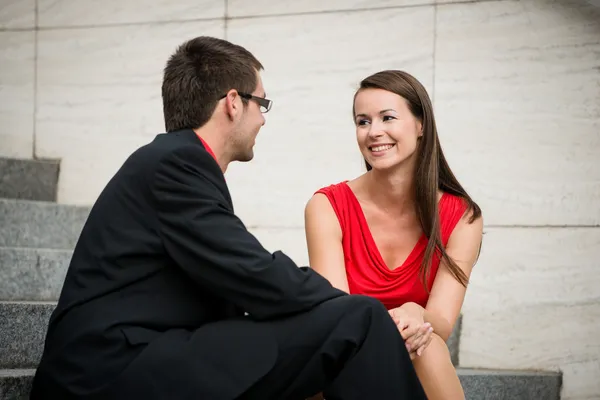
[
  {"x": 419, "y": 341},
  {"x": 413, "y": 329}
]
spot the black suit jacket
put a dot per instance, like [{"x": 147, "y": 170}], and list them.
[{"x": 161, "y": 255}]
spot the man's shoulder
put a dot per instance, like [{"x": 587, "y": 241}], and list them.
[
  {"x": 165, "y": 143},
  {"x": 181, "y": 152},
  {"x": 166, "y": 149},
  {"x": 172, "y": 144}
]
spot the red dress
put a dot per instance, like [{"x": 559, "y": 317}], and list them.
[{"x": 366, "y": 271}]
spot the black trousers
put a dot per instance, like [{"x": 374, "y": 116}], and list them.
[{"x": 348, "y": 348}]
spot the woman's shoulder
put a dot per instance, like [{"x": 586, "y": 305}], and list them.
[
  {"x": 331, "y": 188},
  {"x": 326, "y": 198},
  {"x": 454, "y": 211},
  {"x": 342, "y": 188},
  {"x": 330, "y": 204},
  {"x": 451, "y": 207},
  {"x": 447, "y": 200},
  {"x": 449, "y": 203}
]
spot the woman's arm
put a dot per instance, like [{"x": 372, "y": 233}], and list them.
[
  {"x": 447, "y": 294},
  {"x": 324, "y": 241}
]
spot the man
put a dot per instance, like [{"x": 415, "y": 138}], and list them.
[{"x": 168, "y": 296}]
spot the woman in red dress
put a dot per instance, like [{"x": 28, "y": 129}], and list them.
[{"x": 404, "y": 232}]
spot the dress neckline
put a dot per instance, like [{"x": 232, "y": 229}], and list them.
[{"x": 414, "y": 253}]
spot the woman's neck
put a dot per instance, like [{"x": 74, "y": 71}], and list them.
[{"x": 392, "y": 190}]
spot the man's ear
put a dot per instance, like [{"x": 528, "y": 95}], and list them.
[{"x": 232, "y": 104}]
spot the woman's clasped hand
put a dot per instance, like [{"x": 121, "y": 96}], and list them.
[{"x": 415, "y": 331}]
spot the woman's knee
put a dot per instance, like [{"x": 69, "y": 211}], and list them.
[
  {"x": 436, "y": 372},
  {"x": 437, "y": 351}
]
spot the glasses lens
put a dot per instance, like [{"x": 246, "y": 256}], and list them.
[{"x": 267, "y": 106}]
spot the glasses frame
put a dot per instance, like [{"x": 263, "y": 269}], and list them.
[{"x": 264, "y": 103}]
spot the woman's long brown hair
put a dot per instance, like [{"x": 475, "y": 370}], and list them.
[{"x": 432, "y": 172}]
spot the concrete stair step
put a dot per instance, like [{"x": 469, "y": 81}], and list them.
[
  {"x": 478, "y": 384},
  {"x": 510, "y": 385},
  {"x": 32, "y": 274},
  {"x": 23, "y": 328},
  {"x": 28, "y": 179},
  {"x": 15, "y": 384},
  {"x": 40, "y": 224}
]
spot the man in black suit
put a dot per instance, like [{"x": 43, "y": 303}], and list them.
[{"x": 168, "y": 296}]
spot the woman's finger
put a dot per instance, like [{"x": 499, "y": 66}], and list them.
[
  {"x": 398, "y": 319},
  {"x": 425, "y": 341},
  {"x": 419, "y": 339},
  {"x": 424, "y": 332},
  {"x": 415, "y": 339},
  {"x": 410, "y": 330}
]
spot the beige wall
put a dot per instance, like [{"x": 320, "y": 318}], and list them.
[{"x": 516, "y": 88}]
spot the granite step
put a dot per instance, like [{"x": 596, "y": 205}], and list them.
[
  {"x": 38, "y": 224},
  {"x": 15, "y": 384},
  {"x": 23, "y": 327},
  {"x": 478, "y": 384},
  {"x": 32, "y": 274},
  {"x": 510, "y": 385},
  {"x": 29, "y": 179}
]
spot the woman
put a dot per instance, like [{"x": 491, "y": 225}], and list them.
[{"x": 405, "y": 232}]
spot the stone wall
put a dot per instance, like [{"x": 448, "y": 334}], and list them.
[{"x": 516, "y": 89}]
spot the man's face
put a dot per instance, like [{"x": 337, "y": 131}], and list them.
[{"x": 251, "y": 120}]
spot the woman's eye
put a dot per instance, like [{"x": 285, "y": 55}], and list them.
[
  {"x": 388, "y": 118},
  {"x": 362, "y": 122}
]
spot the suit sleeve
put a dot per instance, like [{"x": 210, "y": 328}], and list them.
[{"x": 214, "y": 248}]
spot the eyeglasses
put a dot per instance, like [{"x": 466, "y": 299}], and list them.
[{"x": 264, "y": 104}]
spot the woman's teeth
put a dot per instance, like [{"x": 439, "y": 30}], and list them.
[{"x": 382, "y": 147}]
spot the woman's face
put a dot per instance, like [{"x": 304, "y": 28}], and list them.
[{"x": 386, "y": 131}]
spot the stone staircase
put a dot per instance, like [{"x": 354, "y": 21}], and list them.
[{"x": 36, "y": 241}]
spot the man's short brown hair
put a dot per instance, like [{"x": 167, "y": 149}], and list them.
[{"x": 198, "y": 74}]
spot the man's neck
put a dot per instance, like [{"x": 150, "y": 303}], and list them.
[{"x": 215, "y": 142}]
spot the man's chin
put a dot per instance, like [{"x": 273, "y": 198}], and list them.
[{"x": 248, "y": 156}]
